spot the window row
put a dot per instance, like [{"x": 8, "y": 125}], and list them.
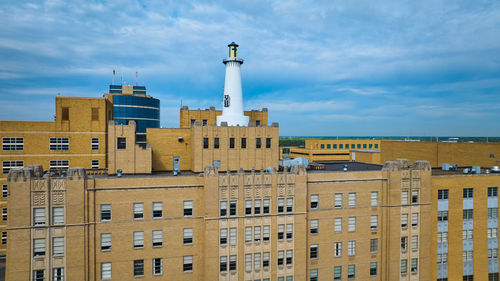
[
  {"x": 404, "y": 243},
  {"x": 13, "y": 144},
  {"x": 138, "y": 239},
  {"x": 243, "y": 143},
  {"x": 138, "y": 210},
  {"x": 9, "y": 164},
  {"x": 338, "y": 201},
  {"x": 337, "y": 272},
  {"x": 40, "y": 216},
  {"x": 39, "y": 246},
  {"x": 138, "y": 267},
  {"x": 338, "y": 246},
  {"x": 351, "y": 145},
  {"x": 413, "y": 266},
  {"x": 414, "y": 196},
  {"x": 57, "y": 274},
  {"x": 467, "y": 193}
]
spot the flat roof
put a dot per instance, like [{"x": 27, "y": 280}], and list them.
[{"x": 338, "y": 166}]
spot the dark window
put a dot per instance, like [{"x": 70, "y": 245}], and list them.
[
  {"x": 468, "y": 193},
  {"x": 468, "y": 214},
  {"x": 192, "y": 122},
  {"x": 65, "y": 113},
  {"x": 231, "y": 142},
  {"x": 468, "y": 278},
  {"x": 376, "y": 145},
  {"x": 373, "y": 269},
  {"x": 442, "y": 215},
  {"x": 258, "y": 143},
  {"x": 443, "y": 194},
  {"x": 257, "y": 122},
  {"x": 492, "y": 155},
  {"x": 121, "y": 143},
  {"x": 204, "y": 122},
  {"x": 334, "y": 146},
  {"x": 105, "y": 212},
  {"x": 205, "y": 142},
  {"x": 95, "y": 114},
  {"x": 232, "y": 263},
  {"x": 138, "y": 267},
  {"x": 243, "y": 142},
  {"x": 370, "y": 145},
  {"x": 223, "y": 264},
  {"x": 328, "y": 146},
  {"x": 492, "y": 191},
  {"x": 216, "y": 142},
  {"x": 268, "y": 142},
  {"x": 359, "y": 145},
  {"x": 322, "y": 146},
  {"x": 39, "y": 275},
  {"x": 493, "y": 276},
  {"x": 341, "y": 146},
  {"x": 364, "y": 145},
  {"x": 313, "y": 254},
  {"x": 232, "y": 208}
]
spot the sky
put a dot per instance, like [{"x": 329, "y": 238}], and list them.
[{"x": 322, "y": 68}]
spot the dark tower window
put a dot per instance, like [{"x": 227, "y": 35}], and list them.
[{"x": 121, "y": 143}]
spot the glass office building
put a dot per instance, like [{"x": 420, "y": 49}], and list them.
[{"x": 132, "y": 103}]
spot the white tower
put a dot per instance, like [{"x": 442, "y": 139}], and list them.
[{"x": 232, "y": 103}]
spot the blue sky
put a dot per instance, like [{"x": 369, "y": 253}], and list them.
[{"x": 347, "y": 68}]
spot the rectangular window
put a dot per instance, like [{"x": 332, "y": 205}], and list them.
[
  {"x": 414, "y": 242},
  {"x": 314, "y": 226},
  {"x": 351, "y": 248},
  {"x": 5, "y": 192},
  {"x": 467, "y": 234},
  {"x": 442, "y": 216},
  {"x": 352, "y": 200},
  {"x": 39, "y": 275},
  {"x": 265, "y": 259},
  {"x": 232, "y": 263},
  {"x": 187, "y": 263},
  {"x": 268, "y": 142},
  {"x": 373, "y": 245},
  {"x": 266, "y": 233},
  {"x": 414, "y": 196},
  {"x": 157, "y": 266},
  {"x": 138, "y": 268},
  {"x": 351, "y": 224},
  {"x": 468, "y": 214},
  {"x": 39, "y": 247},
  {"x": 231, "y": 142},
  {"x": 205, "y": 143},
  {"x": 4, "y": 214},
  {"x": 314, "y": 201},
  {"x": 4, "y": 237},
  {"x": 243, "y": 142},
  {"x": 492, "y": 213},
  {"x": 338, "y": 225},
  {"x": 187, "y": 236},
  {"x": 313, "y": 252},
  {"x": 492, "y": 253},
  {"x": 256, "y": 261},
  {"x": 404, "y": 220},
  {"x": 232, "y": 236},
  {"x": 95, "y": 114},
  {"x": 248, "y": 262},
  {"x": 337, "y": 249},
  {"x": 157, "y": 210},
  {"x": 38, "y": 216},
  {"x": 442, "y": 258},
  {"x": 138, "y": 211},
  {"x": 192, "y": 122},
  {"x": 157, "y": 238},
  {"x": 374, "y": 222},
  {"x": 216, "y": 143},
  {"x": 232, "y": 208},
  {"x": 351, "y": 271},
  {"x": 313, "y": 275},
  {"x": 337, "y": 273},
  {"x": 105, "y": 241},
  {"x": 374, "y": 199},
  {"x": 492, "y": 233},
  {"x": 95, "y": 143},
  {"x": 256, "y": 234},
  {"x": 414, "y": 219},
  {"x": 267, "y": 204},
  {"x": 404, "y": 244},
  {"x": 58, "y": 215},
  {"x": 442, "y": 237},
  {"x": 404, "y": 266},
  {"x": 223, "y": 236},
  {"x": 281, "y": 205},
  {"x": 414, "y": 265},
  {"x": 256, "y": 207},
  {"x": 281, "y": 258},
  {"x": 341, "y": 146},
  {"x": 188, "y": 208},
  {"x": 258, "y": 143},
  {"x": 121, "y": 143},
  {"x": 10, "y": 144},
  {"x": 58, "y": 246},
  {"x": 58, "y": 274},
  {"x": 248, "y": 234},
  {"x": 7, "y": 165},
  {"x": 281, "y": 231},
  {"x": 59, "y": 143},
  {"x": 289, "y": 205},
  {"x": 223, "y": 264},
  {"x": 338, "y": 200},
  {"x": 373, "y": 268},
  {"x": 468, "y": 193},
  {"x": 94, "y": 164},
  {"x": 443, "y": 194},
  {"x": 223, "y": 208},
  {"x": 204, "y": 122},
  {"x": 138, "y": 239},
  {"x": 289, "y": 257},
  {"x": 105, "y": 271},
  {"x": 59, "y": 164},
  {"x": 105, "y": 212},
  {"x": 404, "y": 197},
  {"x": 248, "y": 207},
  {"x": 467, "y": 256},
  {"x": 492, "y": 192},
  {"x": 289, "y": 231}
]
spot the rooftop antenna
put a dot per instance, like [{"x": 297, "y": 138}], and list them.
[
  {"x": 136, "y": 77},
  {"x": 113, "y": 82},
  {"x": 121, "y": 80}
]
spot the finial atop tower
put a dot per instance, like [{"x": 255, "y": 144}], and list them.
[{"x": 232, "y": 49}]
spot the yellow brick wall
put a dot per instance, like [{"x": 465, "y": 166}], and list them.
[
  {"x": 210, "y": 115},
  {"x": 167, "y": 145}
]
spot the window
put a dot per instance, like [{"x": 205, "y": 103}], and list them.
[
  {"x": 65, "y": 114},
  {"x": 376, "y": 145},
  {"x": 204, "y": 122},
  {"x": 281, "y": 205},
  {"x": 442, "y": 258},
  {"x": 157, "y": 238},
  {"x": 138, "y": 268},
  {"x": 414, "y": 196},
  {"x": 121, "y": 143},
  {"x": 4, "y": 237},
  {"x": 58, "y": 246},
  {"x": 7, "y": 165},
  {"x": 13, "y": 144},
  {"x": 232, "y": 263},
  {"x": 216, "y": 143},
  {"x": 105, "y": 241},
  {"x": 59, "y": 164},
  {"x": 337, "y": 249},
  {"x": 492, "y": 213},
  {"x": 105, "y": 212},
  {"x": 248, "y": 234},
  {"x": 39, "y": 275},
  {"x": 232, "y": 208},
  {"x": 352, "y": 200},
  {"x": 281, "y": 231},
  {"x": 205, "y": 143},
  {"x": 187, "y": 236},
  {"x": 414, "y": 265},
  {"x": 404, "y": 220},
  {"x": 232, "y": 236},
  {"x": 374, "y": 222},
  {"x": 443, "y": 194},
  {"x": 243, "y": 142},
  {"x": 95, "y": 143},
  {"x": 314, "y": 201},
  {"x": 38, "y": 216},
  {"x": 414, "y": 219},
  {"x": 187, "y": 263},
  {"x": 404, "y": 243},
  {"x": 442, "y": 237},
  {"x": 266, "y": 203},
  {"x": 289, "y": 231},
  {"x": 268, "y": 142},
  {"x": 337, "y": 225},
  {"x": 493, "y": 276},
  {"x": 105, "y": 270},
  {"x": 493, "y": 253},
  {"x": 373, "y": 268},
  {"x": 313, "y": 275},
  {"x": 289, "y": 205},
  {"x": 492, "y": 233},
  {"x": 404, "y": 197},
  {"x": 414, "y": 242},
  {"x": 492, "y": 192},
  {"x": 4, "y": 214},
  {"x": 467, "y": 256},
  {"x": 265, "y": 259},
  {"x": 322, "y": 146},
  {"x": 374, "y": 199},
  {"x": 94, "y": 164},
  {"x": 373, "y": 245},
  {"x": 281, "y": 257},
  {"x": 258, "y": 143},
  {"x": 256, "y": 207},
  {"x": 138, "y": 211},
  {"x": 266, "y": 233},
  {"x": 188, "y": 208},
  {"x": 314, "y": 226},
  {"x": 404, "y": 265},
  {"x": 351, "y": 271},
  {"x": 58, "y": 274},
  {"x": 467, "y": 234},
  {"x": 59, "y": 143},
  {"x": 248, "y": 262},
  {"x": 231, "y": 142},
  {"x": 138, "y": 239},
  {"x": 256, "y": 234},
  {"x": 337, "y": 273},
  {"x": 289, "y": 257},
  {"x": 338, "y": 200},
  {"x": 468, "y": 214},
  {"x": 192, "y": 122},
  {"x": 223, "y": 236},
  {"x": 256, "y": 261},
  {"x": 313, "y": 252},
  {"x": 341, "y": 146},
  {"x": 442, "y": 216},
  {"x": 351, "y": 224},
  {"x": 223, "y": 208},
  {"x": 351, "y": 248},
  {"x": 468, "y": 193},
  {"x": 5, "y": 192},
  {"x": 39, "y": 247},
  {"x": 223, "y": 264},
  {"x": 157, "y": 266},
  {"x": 157, "y": 210},
  {"x": 248, "y": 207}
]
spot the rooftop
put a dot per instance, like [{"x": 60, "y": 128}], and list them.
[{"x": 338, "y": 166}]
